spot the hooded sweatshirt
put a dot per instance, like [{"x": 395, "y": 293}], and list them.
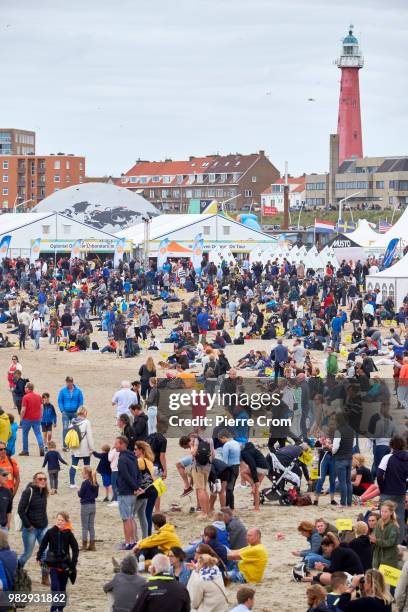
[
  {"x": 164, "y": 539},
  {"x": 392, "y": 473}
]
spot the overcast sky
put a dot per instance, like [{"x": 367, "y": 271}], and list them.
[{"x": 125, "y": 79}]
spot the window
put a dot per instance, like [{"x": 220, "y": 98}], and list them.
[
  {"x": 81, "y": 178},
  {"x": 67, "y": 165},
  {"x": 164, "y": 193},
  {"x": 67, "y": 178},
  {"x": 211, "y": 178},
  {"x": 226, "y": 230},
  {"x": 236, "y": 177},
  {"x": 144, "y": 179},
  {"x": 5, "y": 165},
  {"x": 46, "y": 229},
  {"x": 167, "y": 179},
  {"x": 5, "y": 203},
  {"x": 199, "y": 178},
  {"x": 81, "y": 165},
  {"x": 56, "y": 178},
  {"x": 248, "y": 193},
  {"x": 379, "y": 184},
  {"x": 277, "y": 188},
  {"x": 133, "y": 179},
  {"x": 223, "y": 177},
  {"x": 206, "y": 230},
  {"x": 233, "y": 193},
  {"x": 219, "y": 193},
  {"x": 57, "y": 164},
  {"x": 155, "y": 179},
  {"x": 189, "y": 193},
  {"x": 5, "y": 190},
  {"x": 32, "y": 183},
  {"x": 32, "y": 168},
  {"x": 5, "y": 178},
  {"x": 66, "y": 229},
  {"x": 179, "y": 179},
  {"x": 197, "y": 193},
  {"x": 254, "y": 179},
  {"x": 211, "y": 192},
  {"x": 191, "y": 178},
  {"x": 317, "y": 186},
  {"x": 176, "y": 193},
  {"x": 152, "y": 193}
]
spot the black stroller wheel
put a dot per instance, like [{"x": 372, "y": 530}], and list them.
[{"x": 285, "y": 500}]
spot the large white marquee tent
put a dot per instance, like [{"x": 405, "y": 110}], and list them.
[{"x": 392, "y": 282}]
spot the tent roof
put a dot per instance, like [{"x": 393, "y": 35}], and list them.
[
  {"x": 398, "y": 230},
  {"x": 175, "y": 247},
  {"x": 363, "y": 235},
  {"x": 398, "y": 270}
]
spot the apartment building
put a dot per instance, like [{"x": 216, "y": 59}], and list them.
[
  {"x": 17, "y": 142},
  {"x": 172, "y": 185},
  {"x": 25, "y": 180}
]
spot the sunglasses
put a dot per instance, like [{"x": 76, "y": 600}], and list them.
[
  {"x": 41, "y": 478},
  {"x": 3, "y": 449}
]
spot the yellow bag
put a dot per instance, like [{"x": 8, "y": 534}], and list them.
[{"x": 348, "y": 338}]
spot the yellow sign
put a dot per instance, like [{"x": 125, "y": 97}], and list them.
[
  {"x": 391, "y": 574},
  {"x": 159, "y": 486},
  {"x": 314, "y": 474},
  {"x": 344, "y": 524}
]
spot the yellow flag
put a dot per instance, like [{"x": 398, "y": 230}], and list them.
[
  {"x": 391, "y": 574},
  {"x": 160, "y": 486},
  {"x": 344, "y": 524}
]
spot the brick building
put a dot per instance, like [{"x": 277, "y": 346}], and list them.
[
  {"x": 30, "y": 178},
  {"x": 171, "y": 185},
  {"x": 16, "y": 142}
]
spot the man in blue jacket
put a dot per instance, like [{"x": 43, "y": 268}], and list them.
[
  {"x": 203, "y": 322},
  {"x": 336, "y": 327},
  {"x": 70, "y": 399},
  {"x": 281, "y": 357},
  {"x": 129, "y": 485}
]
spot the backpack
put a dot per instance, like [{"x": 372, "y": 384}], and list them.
[
  {"x": 73, "y": 437},
  {"x": 95, "y": 346},
  {"x": 203, "y": 454},
  {"x": 22, "y": 584}
]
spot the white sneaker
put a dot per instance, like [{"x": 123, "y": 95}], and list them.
[
  {"x": 113, "y": 504},
  {"x": 73, "y": 487}
]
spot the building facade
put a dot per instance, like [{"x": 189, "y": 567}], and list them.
[
  {"x": 272, "y": 196},
  {"x": 172, "y": 185},
  {"x": 16, "y": 142},
  {"x": 27, "y": 179},
  {"x": 381, "y": 181}
]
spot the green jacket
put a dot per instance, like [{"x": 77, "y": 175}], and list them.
[{"x": 386, "y": 549}]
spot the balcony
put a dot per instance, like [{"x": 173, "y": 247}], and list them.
[
  {"x": 21, "y": 169},
  {"x": 21, "y": 182}
]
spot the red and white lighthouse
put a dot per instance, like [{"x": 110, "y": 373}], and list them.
[{"x": 349, "y": 121}]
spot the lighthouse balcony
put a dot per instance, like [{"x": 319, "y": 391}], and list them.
[{"x": 347, "y": 61}]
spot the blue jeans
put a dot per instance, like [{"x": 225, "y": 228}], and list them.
[
  {"x": 74, "y": 463},
  {"x": 30, "y": 536},
  {"x": 66, "y": 419},
  {"x": 114, "y": 480},
  {"x": 236, "y": 576},
  {"x": 36, "y": 426},
  {"x": 336, "y": 339},
  {"x": 58, "y": 584},
  {"x": 327, "y": 467},
  {"x": 343, "y": 473},
  {"x": 37, "y": 336},
  {"x": 313, "y": 558}
]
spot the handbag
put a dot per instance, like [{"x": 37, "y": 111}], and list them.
[{"x": 18, "y": 523}]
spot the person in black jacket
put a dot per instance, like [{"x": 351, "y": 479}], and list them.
[
  {"x": 129, "y": 486},
  {"x": 32, "y": 510},
  {"x": 253, "y": 469},
  {"x": 127, "y": 430},
  {"x": 342, "y": 559},
  {"x": 61, "y": 555},
  {"x": 140, "y": 423},
  {"x": 162, "y": 591},
  {"x": 362, "y": 545}
]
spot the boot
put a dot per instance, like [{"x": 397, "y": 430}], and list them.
[
  {"x": 45, "y": 579},
  {"x": 84, "y": 545},
  {"x": 91, "y": 546}
]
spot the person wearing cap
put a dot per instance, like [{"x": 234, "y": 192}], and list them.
[
  {"x": 36, "y": 327},
  {"x": 6, "y": 501},
  {"x": 70, "y": 399}
]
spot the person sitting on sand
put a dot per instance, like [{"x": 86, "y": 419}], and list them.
[
  {"x": 162, "y": 541},
  {"x": 251, "y": 560}
]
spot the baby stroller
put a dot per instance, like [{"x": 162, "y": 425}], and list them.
[{"x": 285, "y": 475}]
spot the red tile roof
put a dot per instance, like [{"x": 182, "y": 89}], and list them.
[{"x": 297, "y": 180}]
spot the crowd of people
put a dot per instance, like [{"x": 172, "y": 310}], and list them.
[{"x": 319, "y": 335}]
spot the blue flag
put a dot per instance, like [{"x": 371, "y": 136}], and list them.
[
  {"x": 4, "y": 246},
  {"x": 390, "y": 253}
]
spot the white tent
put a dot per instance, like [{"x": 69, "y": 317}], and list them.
[
  {"x": 398, "y": 230},
  {"x": 313, "y": 259},
  {"x": 364, "y": 235},
  {"x": 392, "y": 282}
]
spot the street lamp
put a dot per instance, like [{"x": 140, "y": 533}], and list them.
[
  {"x": 345, "y": 200},
  {"x": 20, "y": 204}
]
